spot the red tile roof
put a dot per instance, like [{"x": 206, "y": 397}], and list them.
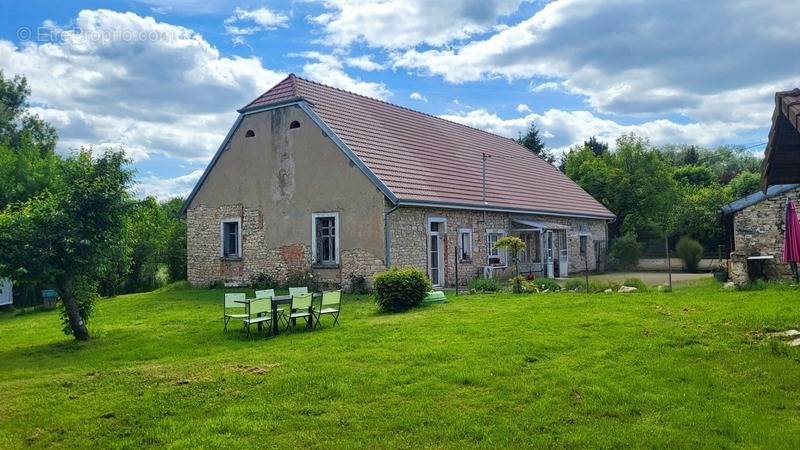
[{"x": 424, "y": 158}]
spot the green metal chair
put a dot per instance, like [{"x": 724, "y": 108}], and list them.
[
  {"x": 301, "y": 308},
  {"x": 298, "y": 290},
  {"x": 231, "y": 303},
  {"x": 268, "y": 294},
  {"x": 331, "y": 304},
  {"x": 260, "y": 312}
]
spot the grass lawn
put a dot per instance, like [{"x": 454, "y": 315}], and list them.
[{"x": 689, "y": 369}]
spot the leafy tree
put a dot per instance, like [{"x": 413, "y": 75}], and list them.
[
  {"x": 63, "y": 235},
  {"x": 694, "y": 175},
  {"x": 744, "y": 184},
  {"x": 176, "y": 239},
  {"x": 514, "y": 246},
  {"x": 598, "y": 148},
  {"x": 533, "y": 142},
  {"x": 17, "y": 125}
]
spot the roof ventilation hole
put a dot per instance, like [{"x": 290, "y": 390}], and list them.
[
  {"x": 250, "y": 133},
  {"x": 294, "y": 124}
]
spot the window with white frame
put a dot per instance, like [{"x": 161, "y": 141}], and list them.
[
  {"x": 465, "y": 244},
  {"x": 231, "y": 238},
  {"x": 325, "y": 238},
  {"x": 495, "y": 256}
]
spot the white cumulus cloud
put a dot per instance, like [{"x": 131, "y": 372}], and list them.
[
  {"x": 403, "y": 24},
  {"x": 417, "y": 96},
  {"x": 563, "y": 129},
  {"x": 714, "y": 60},
  {"x": 128, "y": 80},
  {"x": 329, "y": 69}
]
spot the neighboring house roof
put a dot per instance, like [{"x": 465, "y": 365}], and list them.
[
  {"x": 782, "y": 155},
  {"x": 420, "y": 159},
  {"x": 757, "y": 197}
]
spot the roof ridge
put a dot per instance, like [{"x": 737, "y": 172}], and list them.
[{"x": 404, "y": 107}]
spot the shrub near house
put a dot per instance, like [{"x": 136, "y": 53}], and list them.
[{"x": 401, "y": 289}]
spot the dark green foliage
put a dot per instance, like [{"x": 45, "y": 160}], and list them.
[
  {"x": 637, "y": 283},
  {"x": 401, "y": 289},
  {"x": 690, "y": 252},
  {"x": 744, "y": 184},
  {"x": 18, "y": 127},
  {"x": 597, "y": 148},
  {"x": 693, "y": 175},
  {"x": 482, "y": 284},
  {"x": 625, "y": 252},
  {"x": 677, "y": 190},
  {"x": 534, "y": 142},
  {"x": 64, "y": 235}
]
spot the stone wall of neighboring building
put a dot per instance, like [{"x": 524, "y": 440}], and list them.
[
  {"x": 759, "y": 230},
  {"x": 409, "y": 238}
]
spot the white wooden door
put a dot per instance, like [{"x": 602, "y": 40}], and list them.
[{"x": 563, "y": 254}]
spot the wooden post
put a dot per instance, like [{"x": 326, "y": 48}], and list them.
[
  {"x": 456, "y": 265},
  {"x": 669, "y": 261},
  {"x": 586, "y": 268}
]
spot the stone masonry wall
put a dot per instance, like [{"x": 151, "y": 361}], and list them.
[
  {"x": 759, "y": 230},
  {"x": 206, "y": 266},
  {"x": 409, "y": 238}
]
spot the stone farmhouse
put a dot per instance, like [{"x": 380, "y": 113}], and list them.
[{"x": 313, "y": 178}]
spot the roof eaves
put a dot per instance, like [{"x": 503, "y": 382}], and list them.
[
  {"x": 757, "y": 197},
  {"x": 495, "y": 208},
  {"x": 268, "y": 106}
]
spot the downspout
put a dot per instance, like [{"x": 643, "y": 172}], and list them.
[{"x": 387, "y": 237}]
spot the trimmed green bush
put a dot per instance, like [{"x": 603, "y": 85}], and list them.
[
  {"x": 637, "y": 283},
  {"x": 690, "y": 252},
  {"x": 482, "y": 284},
  {"x": 401, "y": 289},
  {"x": 625, "y": 252}
]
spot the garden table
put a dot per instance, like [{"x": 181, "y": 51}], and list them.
[{"x": 277, "y": 301}]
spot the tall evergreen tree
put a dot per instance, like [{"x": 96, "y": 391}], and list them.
[{"x": 534, "y": 142}]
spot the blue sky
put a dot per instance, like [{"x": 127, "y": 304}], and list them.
[{"x": 163, "y": 79}]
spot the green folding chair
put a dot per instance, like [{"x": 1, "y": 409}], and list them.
[
  {"x": 232, "y": 303},
  {"x": 331, "y": 304},
  {"x": 298, "y": 291},
  {"x": 301, "y": 308},
  {"x": 268, "y": 294},
  {"x": 260, "y": 312}
]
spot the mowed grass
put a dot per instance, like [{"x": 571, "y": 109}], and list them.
[{"x": 690, "y": 368}]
